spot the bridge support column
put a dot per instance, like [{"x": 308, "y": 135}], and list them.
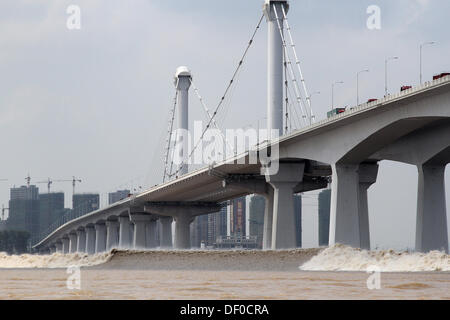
[
  {"x": 150, "y": 235},
  {"x": 344, "y": 220},
  {"x": 112, "y": 234},
  {"x": 90, "y": 240},
  {"x": 268, "y": 221},
  {"x": 183, "y": 231},
  {"x": 140, "y": 221},
  {"x": 81, "y": 241},
  {"x": 124, "y": 232},
  {"x": 283, "y": 228},
  {"x": 431, "y": 224},
  {"x": 65, "y": 245},
  {"x": 52, "y": 249},
  {"x": 349, "y": 217},
  {"x": 100, "y": 238},
  {"x": 367, "y": 177},
  {"x": 72, "y": 243},
  {"x": 166, "y": 232},
  {"x": 58, "y": 247}
]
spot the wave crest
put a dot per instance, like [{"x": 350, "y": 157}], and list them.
[
  {"x": 56, "y": 260},
  {"x": 344, "y": 258}
]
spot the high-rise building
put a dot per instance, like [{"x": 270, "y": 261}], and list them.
[
  {"x": 207, "y": 228},
  {"x": 221, "y": 222},
  {"x": 85, "y": 203},
  {"x": 24, "y": 210},
  {"x": 51, "y": 208},
  {"x": 199, "y": 233},
  {"x": 257, "y": 209},
  {"x": 324, "y": 217},
  {"x": 238, "y": 217},
  {"x": 114, "y": 197}
]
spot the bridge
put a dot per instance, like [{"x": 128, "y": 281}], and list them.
[{"x": 412, "y": 127}]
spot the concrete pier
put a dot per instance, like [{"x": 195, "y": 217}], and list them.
[
  {"x": 72, "y": 242},
  {"x": 268, "y": 221},
  {"x": 344, "y": 217},
  {"x": 183, "y": 231},
  {"x": 112, "y": 234},
  {"x": 58, "y": 247},
  {"x": 431, "y": 224},
  {"x": 367, "y": 177},
  {"x": 124, "y": 232},
  {"x": 283, "y": 183},
  {"x": 166, "y": 232},
  {"x": 100, "y": 237},
  {"x": 65, "y": 245},
  {"x": 90, "y": 239},
  {"x": 150, "y": 235},
  {"x": 140, "y": 222},
  {"x": 81, "y": 240}
]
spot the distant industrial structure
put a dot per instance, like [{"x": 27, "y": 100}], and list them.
[
  {"x": 24, "y": 210},
  {"x": 85, "y": 203},
  {"x": 34, "y": 212},
  {"x": 114, "y": 197}
]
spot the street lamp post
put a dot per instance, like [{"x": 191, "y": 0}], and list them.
[
  {"x": 386, "y": 74},
  {"x": 332, "y": 92},
  {"x": 357, "y": 85},
  {"x": 421, "y": 47},
  {"x": 310, "y": 105}
]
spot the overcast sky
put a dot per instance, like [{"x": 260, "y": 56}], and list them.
[{"x": 94, "y": 102}]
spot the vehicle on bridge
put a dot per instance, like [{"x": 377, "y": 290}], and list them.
[
  {"x": 442, "y": 75},
  {"x": 371, "y": 100},
  {"x": 404, "y": 88},
  {"x": 335, "y": 111}
]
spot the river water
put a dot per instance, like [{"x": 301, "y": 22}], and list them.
[{"x": 334, "y": 273}]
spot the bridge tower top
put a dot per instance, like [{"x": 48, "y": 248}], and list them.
[
  {"x": 183, "y": 77},
  {"x": 268, "y": 8}
]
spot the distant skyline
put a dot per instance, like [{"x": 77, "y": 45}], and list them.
[{"x": 93, "y": 103}]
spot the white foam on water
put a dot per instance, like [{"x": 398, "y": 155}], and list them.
[
  {"x": 56, "y": 260},
  {"x": 344, "y": 258}
]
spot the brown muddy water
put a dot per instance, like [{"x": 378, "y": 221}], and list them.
[{"x": 334, "y": 273}]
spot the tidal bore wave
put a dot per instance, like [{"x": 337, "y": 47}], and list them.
[{"x": 336, "y": 258}]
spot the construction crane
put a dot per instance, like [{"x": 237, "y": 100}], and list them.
[
  {"x": 3, "y": 212},
  {"x": 28, "y": 179},
  {"x": 48, "y": 182},
  {"x": 73, "y": 180}
]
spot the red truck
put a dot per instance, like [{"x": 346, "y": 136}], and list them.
[
  {"x": 371, "y": 100},
  {"x": 439, "y": 76},
  {"x": 405, "y": 88}
]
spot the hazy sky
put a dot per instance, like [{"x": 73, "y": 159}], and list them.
[{"x": 94, "y": 102}]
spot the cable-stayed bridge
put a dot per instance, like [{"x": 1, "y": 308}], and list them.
[{"x": 412, "y": 127}]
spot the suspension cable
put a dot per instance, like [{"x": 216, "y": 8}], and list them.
[
  {"x": 169, "y": 139},
  {"x": 210, "y": 117},
  {"x": 288, "y": 60},
  {"x": 297, "y": 62},
  {"x": 227, "y": 89}
]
